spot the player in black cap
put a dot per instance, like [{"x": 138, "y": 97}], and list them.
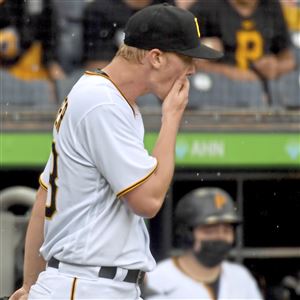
[
  {"x": 100, "y": 182},
  {"x": 169, "y": 29}
]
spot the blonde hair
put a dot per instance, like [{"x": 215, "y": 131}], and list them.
[{"x": 131, "y": 54}]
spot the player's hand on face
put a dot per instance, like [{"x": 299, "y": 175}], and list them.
[{"x": 175, "y": 102}]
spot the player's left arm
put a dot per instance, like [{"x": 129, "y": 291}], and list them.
[{"x": 34, "y": 263}]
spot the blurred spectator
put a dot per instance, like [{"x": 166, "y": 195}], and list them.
[
  {"x": 103, "y": 28},
  {"x": 184, "y": 4},
  {"x": 252, "y": 34},
  {"x": 27, "y": 39},
  {"x": 69, "y": 26},
  {"x": 291, "y": 11},
  {"x": 205, "y": 221}
]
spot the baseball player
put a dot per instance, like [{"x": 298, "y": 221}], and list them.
[
  {"x": 205, "y": 227},
  {"x": 100, "y": 181}
]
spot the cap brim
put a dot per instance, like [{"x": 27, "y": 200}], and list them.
[
  {"x": 203, "y": 52},
  {"x": 228, "y": 218}
]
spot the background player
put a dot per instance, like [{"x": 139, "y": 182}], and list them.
[
  {"x": 206, "y": 220},
  {"x": 100, "y": 180}
]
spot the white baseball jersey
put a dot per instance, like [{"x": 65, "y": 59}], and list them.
[
  {"x": 168, "y": 281},
  {"x": 97, "y": 155}
]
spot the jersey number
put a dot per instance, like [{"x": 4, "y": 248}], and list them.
[
  {"x": 51, "y": 210},
  {"x": 61, "y": 114}
]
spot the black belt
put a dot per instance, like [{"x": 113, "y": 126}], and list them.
[{"x": 133, "y": 276}]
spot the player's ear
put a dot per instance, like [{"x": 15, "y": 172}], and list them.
[{"x": 156, "y": 58}]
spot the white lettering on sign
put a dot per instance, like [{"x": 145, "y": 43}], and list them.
[{"x": 209, "y": 148}]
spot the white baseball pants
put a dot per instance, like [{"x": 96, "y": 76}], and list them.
[{"x": 54, "y": 284}]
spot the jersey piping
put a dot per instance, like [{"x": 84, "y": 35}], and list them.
[
  {"x": 107, "y": 77},
  {"x": 42, "y": 183},
  {"x": 136, "y": 184},
  {"x": 72, "y": 297}
]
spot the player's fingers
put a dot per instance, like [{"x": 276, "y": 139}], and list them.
[
  {"x": 185, "y": 86},
  {"x": 178, "y": 85},
  {"x": 184, "y": 90},
  {"x": 181, "y": 80}
]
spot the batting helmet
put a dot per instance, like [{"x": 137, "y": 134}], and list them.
[{"x": 203, "y": 206}]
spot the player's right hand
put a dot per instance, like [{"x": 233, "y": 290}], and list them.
[
  {"x": 20, "y": 294},
  {"x": 177, "y": 99}
]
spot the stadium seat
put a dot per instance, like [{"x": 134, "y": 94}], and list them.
[
  {"x": 70, "y": 33},
  {"x": 63, "y": 86},
  {"x": 296, "y": 50},
  {"x": 23, "y": 92},
  {"x": 148, "y": 100},
  {"x": 285, "y": 91},
  {"x": 216, "y": 90},
  {"x": 295, "y": 38}
]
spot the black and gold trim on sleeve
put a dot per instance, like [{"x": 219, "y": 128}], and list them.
[
  {"x": 42, "y": 183},
  {"x": 136, "y": 184}
]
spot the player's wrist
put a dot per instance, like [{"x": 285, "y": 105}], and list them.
[
  {"x": 173, "y": 116},
  {"x": 26, "y": 287},
  {"x": 171, "y": 121}
]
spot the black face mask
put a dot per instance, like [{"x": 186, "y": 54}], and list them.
[{"x": 212, "y": 252}]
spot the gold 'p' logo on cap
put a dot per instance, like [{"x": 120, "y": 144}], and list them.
[
  {"x": 220, "y": 201},
  {"x": 197, "y": 26}
]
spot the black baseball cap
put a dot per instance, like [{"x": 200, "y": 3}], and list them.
[{"x": 168, "y": 28}]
